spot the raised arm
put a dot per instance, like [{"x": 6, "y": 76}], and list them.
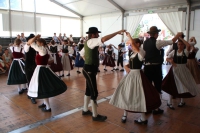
[
  {"x": 32, "y": 40},
  {"x": 186, "y": 43},
  {"x": 134, "y": 47},
  {"x": 106, "y": 38}
]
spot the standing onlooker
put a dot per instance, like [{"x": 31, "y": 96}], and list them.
[
  {"x": 56, "y": 39},
  {"x": 64, "y": 37},
  {"x": 71, "y": 39},
  {"x": 22, "y": 38}
]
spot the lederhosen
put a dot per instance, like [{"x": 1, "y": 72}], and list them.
[
  {"x": 153, "y": 63},
  {"x": 90, "y": 72},
  {"x": 120, "y": 58},
  {"x": 30, "y": 64}
]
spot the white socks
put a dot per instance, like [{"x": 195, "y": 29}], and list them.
[
  {"x": 86, "y": 103},
  {"x": 19, "y": 87},
  {"x": 46, "y": 102},
  {"x": 94, "y": 109},
  {"x": 24, "y": 86},
  {"x": 170, "y": 99},
  {"x": 143, "y": 117},
  {"x": 182, "y": 100},
  {"x": 125, "y": 115}
]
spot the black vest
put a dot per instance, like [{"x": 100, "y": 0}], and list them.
[
  {"x": 180, "y": 59},
  {"x": 109, "y": 52},
  {"x": 175, "y": 47},
  {"x": 65, "y": 49},
  {"x": 80, "y": 47},
  {"x": 53, "y": 49},
  {"x": 30, "y": 57},
  {"x": 153, "y": 55},
  {"x": 119, "y": 53},
  {"x": 135, "y": 63}
]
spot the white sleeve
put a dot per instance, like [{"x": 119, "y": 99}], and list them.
[
  {"x": 11, "y": 48},
  {"x": 186, "y": 52},
  {"x": 82, "y": 52},
  {"x": 162, "y": 43},
  {"x": 50, "y": 56},
  {"x": 41, "y": 49},
  {"x": 92, "y": 43},
  {"x": 192, "y": 43},
  {"x": 169, "y": 50},
  {"x": 26, "y": 47},
  {"x": 141, "y": 54},
  {"x": 171, "y": 55}
]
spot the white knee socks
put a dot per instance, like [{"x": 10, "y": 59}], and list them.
[
  {"x": 143, "y": 117},
  {"x": 46, "y": 102},
  {"x": 19, "y": 87},
  {"x": 86, "y": 103},
  {"x": 170, "y": 99},
  {"x": 94, "y": 109}
]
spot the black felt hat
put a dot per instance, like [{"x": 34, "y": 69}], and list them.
[
  {"x": 153, "y": 29},
  {"x": 93, "y": 30},
  {"x": 30, "y": 36}
]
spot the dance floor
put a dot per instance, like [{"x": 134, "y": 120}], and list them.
[{"x": 18, "y": 114}]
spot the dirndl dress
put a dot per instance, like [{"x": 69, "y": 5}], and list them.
[
  {"x": 179, "y": 81},
  {"x": 45, "y": 83},
  {"x": 56, "y": 66},
  {"x": 108, "y": 60},
  {"x": 193, "y": 67},
  {"x": 135, "y": 93},
  {"x": 16, "y": 73},
  {"x": 66, "y": 61},
  {"x": 79, "y": 62}
]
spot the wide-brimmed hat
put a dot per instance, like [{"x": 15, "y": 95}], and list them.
[
  {"x": 93, "y": 30},
  {"x": 30, "y": 36},
  {"x": 153, "y": 29}
]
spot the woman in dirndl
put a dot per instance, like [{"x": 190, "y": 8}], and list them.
[
  {"x": 192, "y": 63},
  {"x": 135, "y": 93},
  {"x": 66, "y": 59},
  {"x": 16, "y": 75},
  {"x": 56, "y": 66},
  {"x": 179, "y": 82},
  {"x": 44, "y": 82},
  {"x": 109, "y": 61},
  {"x": 79, "y": 62}
]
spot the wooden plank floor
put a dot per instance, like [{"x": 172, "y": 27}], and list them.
[{"x": 16, "y": 111}]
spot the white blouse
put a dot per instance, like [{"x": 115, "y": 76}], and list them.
[
  {"x": 141, "y": 54},
  {"x": 171, "y": 55}
]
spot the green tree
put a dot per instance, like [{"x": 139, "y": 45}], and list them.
[{"x": 137, "y": 32}]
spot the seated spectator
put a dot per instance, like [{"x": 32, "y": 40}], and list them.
[
  {"x": 2, "y": 67},
  {"x": 7, "y": 59},
  {"x": 1, "y": 52}
]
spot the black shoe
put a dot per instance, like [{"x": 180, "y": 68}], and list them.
[
  {"x": 121, "y": 70},
  {"x": 46, "y": 110},
  {"x": 123, "y": 120},
  {"x": 21, "y": 91},
  {"x": 105, "y": 69},
  {"x": 159, "y": 111},
  {"x": 140, "y": 121},
  {"x": 99, "y": 118},
  {"x": 87, "y": 113},
  {"x": 25, "y": 89},
  {"x": 116, "y": 68},
  {"x": 98, "y": 71},
  {"x": 68, "y": 74},
  {"x": 33, "y": 101},
  {"x": 78, "y": 72},
  {"x": 181, "y": 104},
  {"x": 170, "y": 106},
  {"x": 42, "y": 106},
  {"x": 113, "y": 70}
]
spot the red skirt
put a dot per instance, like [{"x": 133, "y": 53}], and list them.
[
  {"x": 169, "y": 86},
  {"x": 56, "y": 67},
  {"x": 109, "y": 61}
]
